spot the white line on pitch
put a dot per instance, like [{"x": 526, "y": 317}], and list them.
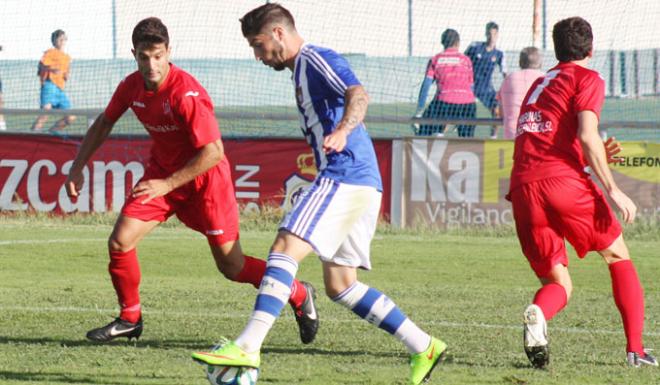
[{"x": 245, "y": 315}]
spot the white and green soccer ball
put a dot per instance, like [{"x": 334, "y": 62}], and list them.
[{"x": 232, "y": 375}]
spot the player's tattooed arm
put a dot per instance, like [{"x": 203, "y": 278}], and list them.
[{"x": 355, "y": 110}]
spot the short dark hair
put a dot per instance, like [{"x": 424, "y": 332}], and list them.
[
  {"x": 449, "y": 38},
  {"x": 151, "y": 31},
  {"x": 253, "y": 21},
  {"x": 573, "y": 39},
  {"x": 56, "y": 35},
  {"x": 492, "y": 25},
  {"x": 530, "y": 57}
]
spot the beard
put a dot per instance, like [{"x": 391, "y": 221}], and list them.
[{"x": 278, "y": 58}]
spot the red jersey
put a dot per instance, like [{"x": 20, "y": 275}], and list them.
[
  {"x": 546, "y": 143},
  {"x": 179, "y": 116}
]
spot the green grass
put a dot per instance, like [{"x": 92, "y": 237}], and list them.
[
  {"x": 468, "y": 289},
  {"x": 615, "y": 109}
]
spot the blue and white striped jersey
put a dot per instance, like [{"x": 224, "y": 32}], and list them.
[{"x": 321, "y": 77}]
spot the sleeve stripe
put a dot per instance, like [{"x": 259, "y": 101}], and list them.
[
  {"x": 320, "y": 60},
  {"x": 322, "y": 66},
  {"x": 327, "y": 73}
]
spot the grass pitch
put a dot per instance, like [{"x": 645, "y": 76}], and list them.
[{"x": 468, "y": 289}]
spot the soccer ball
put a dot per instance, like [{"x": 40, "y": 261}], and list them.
[{"x": 232, "y": 375}]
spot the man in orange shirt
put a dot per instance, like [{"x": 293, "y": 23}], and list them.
[{"x": 53, "y": 73}]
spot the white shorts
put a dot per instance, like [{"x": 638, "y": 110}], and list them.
[{"x": 337, "y": 219}]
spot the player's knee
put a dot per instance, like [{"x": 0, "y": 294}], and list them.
[
  {"x": 613, "y": 255},
  {"x": 116, "y": 244},
  {"x": 616, "y": 252}
]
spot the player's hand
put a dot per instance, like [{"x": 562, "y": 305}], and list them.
[
  {"x": 152, "y": 188},
  {"x": 625, "y": 204},
  {"x": 73, "y": 183},
  {"x": 336, "y": 141},
  {"x": 612, "y": 147}
]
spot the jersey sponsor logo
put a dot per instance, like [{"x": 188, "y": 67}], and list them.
[
  {"x": 138, "y": 104},
  {"x": 192, "y": 93},
  {"x": 215, "y": 232},
  {"x": 161, "y": 127},
  {"x": 532, "y": 121},
  {"x": 449, "y": 60}
]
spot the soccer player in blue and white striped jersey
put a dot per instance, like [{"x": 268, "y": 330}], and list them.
[{"x": 336, "y": 216}]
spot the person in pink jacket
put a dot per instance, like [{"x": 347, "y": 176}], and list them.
[{"x": 515, "y": 87}]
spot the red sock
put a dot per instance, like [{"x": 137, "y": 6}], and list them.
[
  {"x": 298, "y": 294},
  {"x": 551, "y": 298},
  {"x": 253, "y": 271},
  {"x": 125, "y": 273},
  {"x": 629, "y": 298}
]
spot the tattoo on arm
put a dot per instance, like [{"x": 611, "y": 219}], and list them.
[{"x": 357, "y": 102}]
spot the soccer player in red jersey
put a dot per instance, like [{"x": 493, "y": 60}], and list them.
[
  {"x": 188, "y": 175},
  {"x": 553, "y": 197}
]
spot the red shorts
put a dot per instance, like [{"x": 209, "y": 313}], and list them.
[
  {"x": 549, "y": 210},
  {"x": 207, "y": 204}
]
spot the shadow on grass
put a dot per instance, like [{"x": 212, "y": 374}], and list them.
[
  {"x": 333, "y": 352},
  {"x": 192, "y": 345},
  {"x": 54, "y": 377}
]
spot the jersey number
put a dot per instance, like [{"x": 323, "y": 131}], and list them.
[{"x": 539, "y": 89}]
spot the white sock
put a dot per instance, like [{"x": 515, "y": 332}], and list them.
[
  {"x": 376, "y": 308},
  {"x": 273, "y": 294}
]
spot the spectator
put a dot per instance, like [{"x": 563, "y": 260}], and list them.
[
  {"x": 515, "y": 87},
  {"x": 53, "y": 73},
  {"x": 454, "y": 99},
  {"x": 485, "y": 56}
]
